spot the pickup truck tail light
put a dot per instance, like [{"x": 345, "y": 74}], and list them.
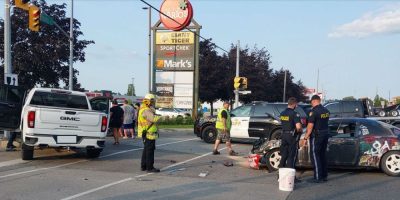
[
  {"x": 31, "y": 119},
  {"x": 104, "y": 124}
]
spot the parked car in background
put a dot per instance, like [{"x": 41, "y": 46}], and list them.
[
  {"x": 172, "y": 112},
  {"x": 55, "y": 118},
  {"x": 354, "y": 143},
  {"x": 250, "y": 121},
  {"x": 358, "y": 108}
]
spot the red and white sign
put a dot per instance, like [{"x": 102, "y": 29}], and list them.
[{"x": 180, "y": 14}]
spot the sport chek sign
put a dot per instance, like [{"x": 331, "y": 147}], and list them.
[
  {"x": 179, "y": 12},
  {"x": 174, "y": 51}
]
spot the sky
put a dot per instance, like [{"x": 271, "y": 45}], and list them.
[{"x": 355, "y": 45}]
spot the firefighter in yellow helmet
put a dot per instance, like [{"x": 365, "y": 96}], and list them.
[{"x": 147, "y": 130}]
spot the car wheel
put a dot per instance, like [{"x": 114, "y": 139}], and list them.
[
  {"x": 209, "y": 134},
  {"x": 390, "y": 164},
  {"x": 381, "y": 113},
  {"x": 394, "y": 113},
  {"x": 27, "y": 152},
  {"x": 276, "y": 135},
  {"x": 93, "y": 153},
  {"x": 273, "y": 159}
]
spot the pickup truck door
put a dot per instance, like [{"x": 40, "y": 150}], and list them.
[{"x": 11, "y": 103}]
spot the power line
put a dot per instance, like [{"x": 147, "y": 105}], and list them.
[{"x": 159, "y": 11}]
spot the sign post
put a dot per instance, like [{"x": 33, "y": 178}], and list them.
[{"x": 11, "y": 79}]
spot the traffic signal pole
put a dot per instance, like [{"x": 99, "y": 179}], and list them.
[
  {"x": 7, "y": 43},
  {"x": 237, "y": 73}
]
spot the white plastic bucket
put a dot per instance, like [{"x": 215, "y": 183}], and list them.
[{"x": 286, "y": 179}]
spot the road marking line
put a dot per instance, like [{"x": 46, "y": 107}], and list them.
[
  {"x": 139, "y": 176},
  {"x": 80, "y": 161},
  {"x": 99, "y": 188}
]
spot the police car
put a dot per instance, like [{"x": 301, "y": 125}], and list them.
[{"x": 250, "y": 121}]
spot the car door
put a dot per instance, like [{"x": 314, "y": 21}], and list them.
[
  {"x": 240, "y": 118},
  {"x": 262, "y": 120},
  {"x": 11, "y": 103},
  {"x": 343, "y": 145}
]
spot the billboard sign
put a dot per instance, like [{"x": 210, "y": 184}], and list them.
[
  {"x": 183, "y": 102},
  {"x": 183, "y": 90},
  {"x": 179, "y": 14},
  {"x": 182, "y": 37},
  {"x": 164, "y": 102},
  {"x": 164, "y": 90}
]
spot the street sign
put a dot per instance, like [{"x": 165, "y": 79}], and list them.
[
  {"x": 11, "y": 79},
  {"x": 46, "y": 19}
]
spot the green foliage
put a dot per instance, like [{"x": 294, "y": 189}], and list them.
[
  {"x": 131, "y": 90},
  {"x": 218, "y": 71},
  {"x": 42, "y": 58},
  {"x": 397, "y": 101},
  {"x": 378, "y": 100},
  {"x": 176, "y": 121},
  {"x": 349, "y": 98}
]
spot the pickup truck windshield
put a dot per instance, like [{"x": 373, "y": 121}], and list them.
[{"x": 59, "y": 100}]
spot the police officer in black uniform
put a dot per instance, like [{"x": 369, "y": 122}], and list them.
[
  {"x": 318, "y": 133},
  {"x": 291, "y": 130}
]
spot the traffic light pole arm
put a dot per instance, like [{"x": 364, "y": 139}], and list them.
[{"x": 59, "y": 28}]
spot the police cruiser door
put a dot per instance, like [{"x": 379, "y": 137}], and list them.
[{"x": 240, "y": 121}]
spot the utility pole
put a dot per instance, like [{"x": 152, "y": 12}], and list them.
[
  {"x": 71, "y": 48},
  {"x": 317, "y": 80},
  {"x": 284, "y": 88},
  {"x": 7, "y": 44},
  {"x": 237, "y": 73},
  {"x": 149, "y": 53}
]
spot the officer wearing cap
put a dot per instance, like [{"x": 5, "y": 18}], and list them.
[
  {"x": 318, "y": 133},
  {"x": 291, "y": 129}
]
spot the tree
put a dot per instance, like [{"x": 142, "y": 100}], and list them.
[
  {"x": 293, "y": 89},
  {"x": 378, "y": 101},
  {"x": 131, "y": 90},
  {"x": 349, "y": 98},
  {"x": 42, "y": 58}
]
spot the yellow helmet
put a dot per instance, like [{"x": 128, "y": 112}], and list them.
[{"x": 148, "y": 99}]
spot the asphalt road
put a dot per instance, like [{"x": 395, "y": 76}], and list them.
[{"x": 182, "y": 157}]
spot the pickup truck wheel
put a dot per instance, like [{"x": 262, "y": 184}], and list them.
[
  {"x": 273, "y": 159},
  {"x": 381, "y": 113},
  {"x": 276, "y": 135},
  {"x": 394, "y": 113},
  {"x": 93, "y": 153},
  {"x": 26, "y": 152},
  {"x": 390, "y": 163},
  {"x": 209, "y": 134}
]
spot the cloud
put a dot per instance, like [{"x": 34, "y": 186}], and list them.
[{"x": 383, "y": 21}]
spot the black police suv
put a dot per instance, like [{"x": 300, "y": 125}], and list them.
[{"x": 250, "y": 121}]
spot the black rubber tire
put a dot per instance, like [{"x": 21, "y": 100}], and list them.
[
  {"x": 27, "y": 152},
  {"x": 93, "y": 153},
  {"x": 387, "y": 158},
  {"x": 382, "y": 113},
  {"x": 209, "y": 134},
  {"x": 276, "y": 135},
  {"x": 394, "y": 113},
  {"x": 272, "y": 160}
]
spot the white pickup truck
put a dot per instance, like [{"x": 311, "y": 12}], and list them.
[{"x": 54, "y": 118}]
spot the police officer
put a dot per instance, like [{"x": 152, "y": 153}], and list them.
[
  {"x": 291, "y": 129},
  {"x": 147, "y": 129},
  {"x": 318, "y": 133}
]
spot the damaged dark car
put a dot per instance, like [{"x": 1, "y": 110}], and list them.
[{"x": 354, "y": 143}]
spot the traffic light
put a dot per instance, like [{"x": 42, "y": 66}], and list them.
[
  {"x": 23, "y": 4},
  {"x": 34, "y": 18},
  {"x": 240, "y": 83}
]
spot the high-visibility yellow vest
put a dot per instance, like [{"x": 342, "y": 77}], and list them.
[
  {"x": 219, "y": 124},
  {"x": 143, "y": 124}
]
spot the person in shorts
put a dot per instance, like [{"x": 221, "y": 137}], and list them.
[
  {"x": 129, "y": 112},
  {"x": 116, "y": 119},
  {"x": 223, "y": 126}
]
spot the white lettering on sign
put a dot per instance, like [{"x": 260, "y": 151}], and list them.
[
  {"x": 177, "y": 64},
  {"x": 173, "y": 48}
]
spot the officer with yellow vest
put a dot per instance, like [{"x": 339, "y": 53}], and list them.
[
  {"x": 147, "y": 130},
  {"x": 223, "y": 126}
]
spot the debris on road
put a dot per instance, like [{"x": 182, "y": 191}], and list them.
[
  {"x": 172, "y": 161},
  {"x": 203, "y": 174},
  {"x": 228, "y": 163}
]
